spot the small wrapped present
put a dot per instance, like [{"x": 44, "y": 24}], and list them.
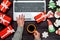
[
  {"x": 4, "y": 19},
  {"x": 40, "y": 17},
  {"x": 6, "y": 32},
  {"x": 5, "y": 5}
]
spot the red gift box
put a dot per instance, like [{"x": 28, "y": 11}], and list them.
[
  {"x": 6, "y": 32},
  {"x": 40, "y": 17},
  {"x": 43, "y": 16},
  {"x": 4, "y": 5},
  {"x": 4, "y": 19}
]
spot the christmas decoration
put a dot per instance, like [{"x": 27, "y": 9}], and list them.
[
  {"x": 57, "y": 13},
  {"x": 40, "y": 17},
  {"x": 50, "y": 14},
  {"x": 45, "y": 34},
  {"x": 51, "y": 4},
  {"x": 5, "y": 5},
  {"x": 43, "y": 16},
  {"x": 58, "y": 9},
  {"x": 4, "y": 19},
  {"x": 50, "y": 26},
  {"x": 57, "y": 23},
  {"x": 58, "y": 2},
  {"x": 6, "y": 32},
  {"x": 58, "y": 31}
]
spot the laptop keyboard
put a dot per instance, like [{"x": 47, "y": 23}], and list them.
[{"x": 29, "y": 7}]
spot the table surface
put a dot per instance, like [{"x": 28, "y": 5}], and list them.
[{"x": 41, "y": 27}]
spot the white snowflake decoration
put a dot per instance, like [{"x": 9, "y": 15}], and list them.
[
  {"x": 58, "y": 2},
  {"x": 45, "y": 34}
]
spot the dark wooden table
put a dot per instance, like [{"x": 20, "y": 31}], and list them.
[{"x": 41, "y": 27}]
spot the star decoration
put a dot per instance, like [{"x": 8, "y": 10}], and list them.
[
  {"x": 45, "y": 34},
  {"x": 58, "y": 2}
]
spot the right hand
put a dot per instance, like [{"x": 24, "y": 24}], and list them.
[{"x": 37, "y": 35}]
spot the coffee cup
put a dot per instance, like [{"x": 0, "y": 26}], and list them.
[{"x": 31, "y": 28}]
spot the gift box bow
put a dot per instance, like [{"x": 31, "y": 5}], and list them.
[
  {"x": 4, "y": 5},
  {"x": 40, "y": 17},
  {"x": 43, "y": 16},
  {"x": 6, "y": 32},
  {"x": 50, "y": 14},
  {"x": 4, "y": 19}
]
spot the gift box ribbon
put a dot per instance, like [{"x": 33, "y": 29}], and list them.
[
  {"x": 8, "y": 32},
  {"x": 2, "y": 20},
  {"x": 4, "y": 5}
]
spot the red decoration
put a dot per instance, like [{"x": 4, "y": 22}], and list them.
[
  {"x": 4, "y": 5},
  {"x": 4, "y": 19},
  {"x": 6, "y": 32},
  {"x": 43, "y": 16},
  {"x": 40, "y": 17}
]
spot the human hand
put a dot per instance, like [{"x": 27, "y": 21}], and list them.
[
  {"x": 37, "y": 35},
  {"x": 20, "y": 20}
]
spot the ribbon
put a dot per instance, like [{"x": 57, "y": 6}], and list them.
[
  {"x": 8, "y": 31},
  {"x": 50, "y": 14},
  {"x": 41, "y": 18},
  {"x": 2, "y": 20},
  {"x": 4, "y": 5}
]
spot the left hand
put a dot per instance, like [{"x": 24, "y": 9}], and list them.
[{"x": 20, "y": 20}]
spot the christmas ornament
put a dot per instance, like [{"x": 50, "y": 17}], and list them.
[
  {"x": 51, "y": 4},
  {"x": 4, "y": 19},
  {"x": 45, "y": 34},
  {"x": 6, "y": 32},
  {"x": 50, "y": 26},
  {"x": 57, "y": 23},
  {"x": 50, "y": 14},
  {"x": 5, "y": 5},
  {"x": 57, "y": 13},
  {"x": 58, "y": 2},
  {"x": 58, "y": 31}
]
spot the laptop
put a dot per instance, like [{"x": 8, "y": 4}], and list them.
[
  {"x": 28, "y": 8},
  {"x": 28, "y": 0}
]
